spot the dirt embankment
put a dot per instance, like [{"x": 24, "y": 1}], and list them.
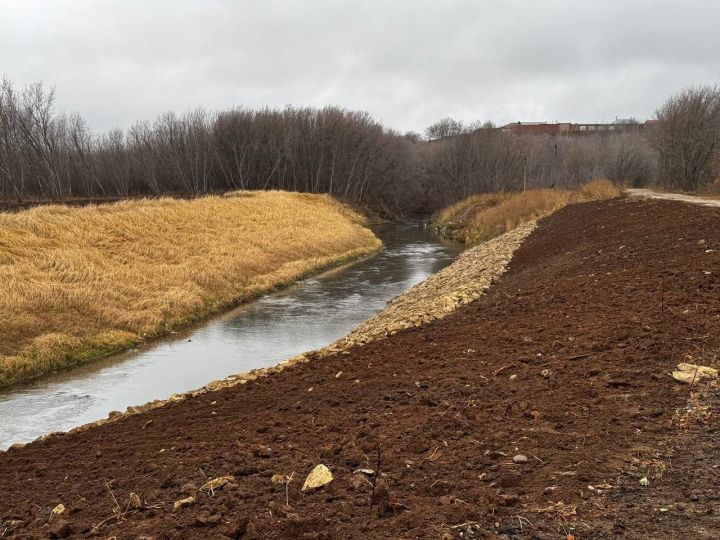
[{"x": 533, "y": 412}]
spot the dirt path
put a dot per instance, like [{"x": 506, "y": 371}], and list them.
[
  {"x": 680, "y": 197},
  {"x": 565, "y": 361}
]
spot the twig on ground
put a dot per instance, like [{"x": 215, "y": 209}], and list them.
[
  {"x": 288, "y": 479},
  {"x": 431, "y": 456},
  {"x": 462, "y": 525},
  {"x": 117, "y": 505},
  {"x": 96, "y": 528},
  {"x": 500, "y": 370},
  {"x": 118, "y": 513},
  {"x": 687, "y": 396},
  {"x": 587, "y": 425},
  {"x": 662, "y": 297},
  {"x": 521, "y": 519},
  {"x": 375, "y": 477},
  {"x": 73, "y": 505},
  {"x": 118, "y": 517},
  {"x": 506, "y": 294},
  {"x": 580, "y": 356}
]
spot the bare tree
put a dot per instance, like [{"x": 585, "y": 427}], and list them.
[
  {"x": 688, "y": 138},
  {"x": 444, "y": 128}
]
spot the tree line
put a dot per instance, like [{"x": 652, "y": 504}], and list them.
[
  {"x": 489, "y": 160},
  {"x": 48, "y": 155}
]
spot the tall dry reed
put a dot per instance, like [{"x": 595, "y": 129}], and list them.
[{"x": 79, "y": 282}]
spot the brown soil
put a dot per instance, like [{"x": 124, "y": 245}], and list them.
[{"x": 565, "y": 361}]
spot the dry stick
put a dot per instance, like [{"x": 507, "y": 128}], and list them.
[
  {"x": 118, "y": 513},
  {"x": 117, "y": 505},
  {"x": 500, "y": 370},
  {"x": 662, "y": 297},
  {"x": 377, "y": 473},
  {"x": 114, "y": 516},
  {"x": 587, "y": 425},
  {"x": 288, "y": 479},
  {"x": 687, "y": 396},
  {"x": 521, "y": 519}
]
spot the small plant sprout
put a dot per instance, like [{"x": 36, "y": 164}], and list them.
[{"x": 284, "y": 479}]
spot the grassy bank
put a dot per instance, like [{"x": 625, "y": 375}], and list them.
[
  {"x": 480, "y": 217},
  {"x": 76, "y": 283}
]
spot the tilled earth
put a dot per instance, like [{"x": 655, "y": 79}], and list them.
[{"x": 565, "y": 361}]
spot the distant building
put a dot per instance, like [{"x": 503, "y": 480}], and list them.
[
  {"x": 569, "y": 128},
  {"x": 537, "y": 128}
]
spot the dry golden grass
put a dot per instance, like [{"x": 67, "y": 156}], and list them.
[
  {"x": 79, "y": 282},
  {"x": 480, "y": 217},
  {"x": 598, "y": 190},
  {"x": 474, "y": 203}
]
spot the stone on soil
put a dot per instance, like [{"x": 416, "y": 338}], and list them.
[
  {"x": 183, "y": 502},
  {"x": 318, "y": 477},
  {"x": 59, "y": 509},
  {"x": 134, "y": 501},
  {"x": 687, "y": 373}
]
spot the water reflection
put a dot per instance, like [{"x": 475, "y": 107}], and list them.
[{"x": 306, "y": 316}]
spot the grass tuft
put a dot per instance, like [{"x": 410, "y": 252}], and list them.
[{"x": 77, "y": 283}]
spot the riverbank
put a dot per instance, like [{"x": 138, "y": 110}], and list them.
[
  {"x": 310, "y": 314},
  {"x": 543, "y": 409},
  {"x": 78, "y": 283},
  {"x": 483, "y": 216}
]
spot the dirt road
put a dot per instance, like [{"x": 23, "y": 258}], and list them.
[
  {"x": 680, "y": 197},
  {"x": 542, "y": 410}
]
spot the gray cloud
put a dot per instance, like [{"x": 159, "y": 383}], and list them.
[{"x": 407, "y": 62}]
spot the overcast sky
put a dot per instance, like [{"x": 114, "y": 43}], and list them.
[{"x": 406, "y": 62}]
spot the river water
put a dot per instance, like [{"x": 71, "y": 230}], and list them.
[{"x": 306, "y": 316}]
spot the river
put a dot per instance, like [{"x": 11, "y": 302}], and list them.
[{"x": 309, "y": 315}]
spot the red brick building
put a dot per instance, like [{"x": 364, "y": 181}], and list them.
[{"x": 569, "y": 128}]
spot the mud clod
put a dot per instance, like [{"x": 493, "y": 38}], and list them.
[{"x": 60, "y": 529}]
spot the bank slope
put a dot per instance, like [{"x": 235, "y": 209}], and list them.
[
  {"x": 533, "y": 412},
  {"x": 76, "y": 283}
]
